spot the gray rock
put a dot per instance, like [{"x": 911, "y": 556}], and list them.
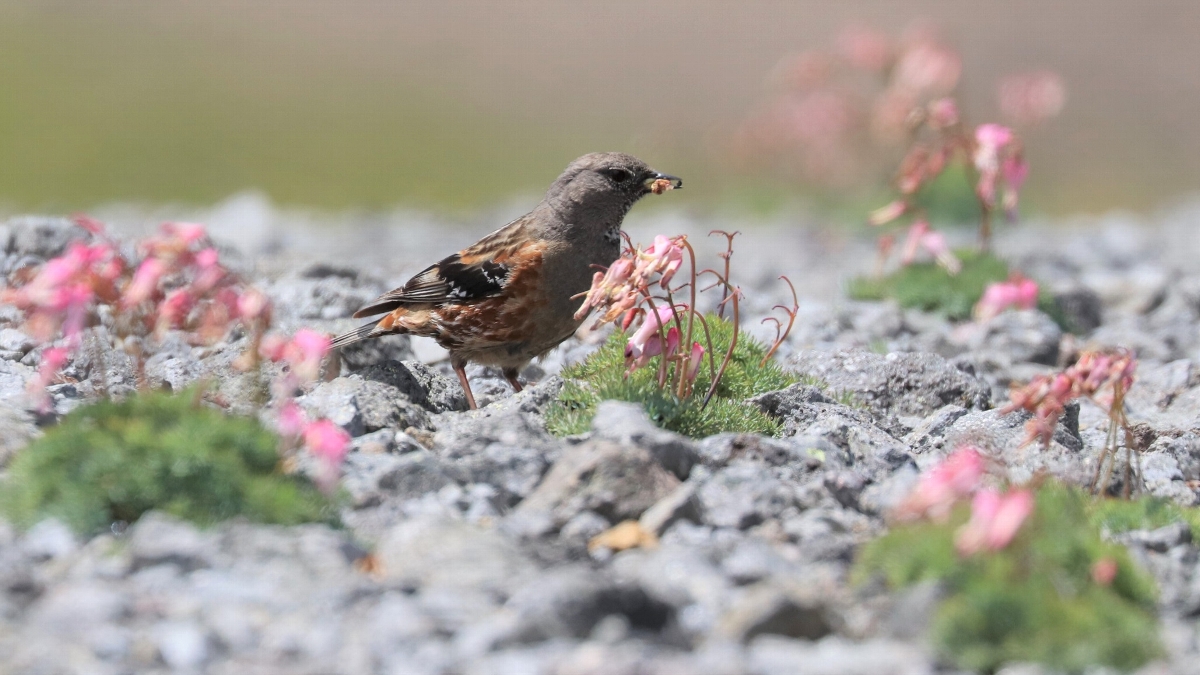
[
  {"x": 628, "y": 424},
  {"x": 42, "y": 237},
  {"x": 420, "y": 384},
  {"x": 370, "y": 479},
  {"x": 895, "y": 384},
  {"x": 800, "y": 453},
  {"x": 743, "y": 495},
  {"x": 580, "y": 529},
  {"x": 1023, "y": 337},
  {"x": 770, "y": 655},
  {"x": 770, "y": 609},
  {"x": 157, "y": 538},
  {"x": 49, "y": 540},
  {"x": 1003, "y": 438},
  {"x": 930, "y": 433},
  {"x": 1081, "y": 307},
  {"x": 182, "y": 645},
  {"x": 511, "y": 451},
  {"x": 682, "y": 504},
  {"x": 572, "y": 601},
  {"x": 614, "y": 481},
  {"x": 361, "y": 406},
  {"x": 434, "y": 552}
]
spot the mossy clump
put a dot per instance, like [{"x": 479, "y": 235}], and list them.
[
  {"x": 929, "y": 287},
  {"x": 602, "y": 376},
  {"x": 1039, "y": 599},
  {"x": 1145, "y": 513},
  {"x": 115, "y": 460}
]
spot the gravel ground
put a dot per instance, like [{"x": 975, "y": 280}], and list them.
[{"x": 479, "y": 522}]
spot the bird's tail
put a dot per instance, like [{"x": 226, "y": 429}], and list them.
[{"x": 369, "y": 330}]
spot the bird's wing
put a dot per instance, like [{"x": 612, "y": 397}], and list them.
[{"x": 477, "y": 272}]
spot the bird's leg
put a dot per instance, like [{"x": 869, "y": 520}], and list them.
[
  {"x": 510, "y": 374},
  {"x": 460, "y": 369}
]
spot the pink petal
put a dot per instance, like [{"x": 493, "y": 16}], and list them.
[
  {"x": 887, "y": 213},
  {"x": 1012, "y": 511},
  {"x": 327, "y": 440}
]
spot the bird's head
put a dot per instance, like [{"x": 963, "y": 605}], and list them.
[{"x": 607, "y": 183}]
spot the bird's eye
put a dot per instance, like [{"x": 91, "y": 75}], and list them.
[{"x": 619, "y": 175}]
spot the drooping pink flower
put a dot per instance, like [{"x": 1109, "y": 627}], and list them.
[
  {"x": 1031, "y": 98},
  {"x": 144, "y": 283},
  {"x": 1019, "y": 292},
  {"x": 994, "y": 145},
  {"x": 922, "y": 237},
  {"x": 327, "y": 440},
  {"x": 291, "y": 421},
  {"x": 1104, "y": 571},
  {"x": 664, "y": 257},
  {"x": 927, "y": 68},
  {"x": 189, "y": 233},
  {"x": 695, "y": 359},
  {"x": 174, "y": 310},
  {"x": 311, "y": 348},
  {"x": 943, "y": 113},
  {"x": 955, "y": 478},
  {"x": 253, "y": 304},
  {"x": 648, "y": 338},
  {"x": 995, "y": 520},
  {"x": 887, "y": 213},
  {"x": 865, "y": 48}
]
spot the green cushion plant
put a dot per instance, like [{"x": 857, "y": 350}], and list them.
[
  {"x": 112, "y": 461},
  {"x": 602, "y": 376}
]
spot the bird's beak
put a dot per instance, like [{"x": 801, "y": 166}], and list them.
[{"x": 659, "y": 183}]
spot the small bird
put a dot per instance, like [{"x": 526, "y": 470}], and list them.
[{"x": 511, "y": 297}]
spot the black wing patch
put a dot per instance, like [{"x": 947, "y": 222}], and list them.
[{"x": 449, "y": 281}]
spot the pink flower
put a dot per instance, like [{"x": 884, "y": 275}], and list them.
[
  {"x": 291, "y": 421},
  {"x": 188, "y": 233},
  {"x": 1014, "y": 170},
  {"x": 175, "y": 308},
  {"x": 253, "y": 305},
  {"x": 1018, "y": 292},
  {"x": 663, "y": 257},
  {"x": 695, "y": 359},
  {"x": 327, "y": 441},
  {"x": 145, "y": 282},
  {"x": 956, "y": 477},
  {"x": 888, "y": 213},
  {"x": 995, "y": 520},
  {"x": 927, "y": 68},
  {"x": 865, "y": 48},
  {"x": 921, "y": 236},
  {"x": 311, "y": 347},
  {"x": 90, "y": 224},
  {"x": 991, "y": 142},
  {"x": 1104, "y": 571},
  {"x": 611, "y": 288},
  {"x": 943, "y": 113},
  {"x": 646, "y": 342},
  {"x": 1031, "y": 98}
]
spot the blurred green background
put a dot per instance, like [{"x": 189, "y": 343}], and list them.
[{"x": 457, "y": 105}]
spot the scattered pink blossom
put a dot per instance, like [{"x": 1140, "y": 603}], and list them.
[
  {"x": 1018, "y": 292},
  {"x": 995, "y": 520},
  {"x": 1097, "y": 376},
  {"x": 1104, "y": 571},
  {"x": 1031, "y": 98},
  {"x": 888, "y": 213},
  {"x": 865, "y": 48},
  {"x": 922, "y": 237},
  {"x": 956, "y": 477},
  {"x": 648, "y": 342}
]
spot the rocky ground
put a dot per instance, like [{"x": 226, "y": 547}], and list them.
[{"x": 479, "y": 523}]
